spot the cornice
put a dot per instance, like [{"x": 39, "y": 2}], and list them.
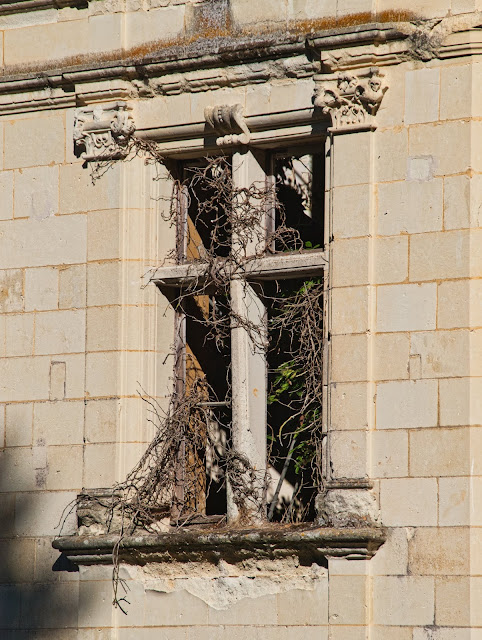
[
  {"x": 231, "y": 61},
  {"x": 312, "y": 544},
  {"x": 23, "y": 6}
]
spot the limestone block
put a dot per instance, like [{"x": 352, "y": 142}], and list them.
[
  {"x": 460, "y": 251},
  {"x": 406, "y": 307},
  {"x": 311, "y": 9},
  {"x": 444, "y": 354},
  {"x": 460, "y": 401},
  {"x": 475, "y": 599},
  {"x": 476, "y": 502},
  {"x": 475, "y": 551},
  {"x": 397, "y": 347},
  {"x": 6, "y": 194},
  {"x": 454, "y": 504},
  {"x": 15, "y": 561},
  {"x": 462, "y": 202},
  {"x": 152, "y": 633},
  {"x": 95, "y": 603},
  {"x": 36, "y": 243},
  {"x": 2, "y": 425},
  {"x": 391, "y": 154},
  {"x": 47, "y": 131},
  {"x": 24, "y": 379},
  {"x": 351, "y": 206},
  {"x": 19, "y": 334},
  {"x": 422, "y": 89},
  {"x": 60, "y": 332},
  {"x": 409, "y": 502},
  {"x": 349, "y": 310},
  {"x": 244, "y": 12},
  {"x": 403, "y": 601},
  {"x": 45, "y": 42},
  {"x": 410, "y": 207},
  {"x": 349, "y": 358},
  {"x": 75, "y": 375},
  {"x": 349, "y": 406},
  {"x": 297, "y": 607},
  {"x": 352, "y": 168},
  {"x": 348, "y": 600},
  {"x": 392, "y": 557},
  {"x": 180, "y": 608},
  {"x": 389, "y": 451},
  {"x": 102, "y": 372},
  {"x": 391, "y": 260},
  {"x": 455, "y": 92},
  {"x": 407, "y": 404},
  {"x": 99, "y": 465},
  {"x": 41, "y": 289},
  {"x": 72, "y": 287},
  {"x": 347, "y": 508},
  {"x": 2, "y": 335},
  {"x": 10, "y": 611},
  {"x": 58, "y": 422},
  {"x": 101, "y": 419},
  {"x": 104, "y": 284},
  {"x": 348, "y": 7},
  {"x": 36, "y": 192},
  {"x": 64, "y": 467},
  {"x": 391, "y": 633},
  {"x": 53, "y": 605},
  {"x": 18, "y": 424},
  {"x": 391, "y": 111},
  {"x": 17, "y": 469},
  {"x": 431, "y": 551},
  {"x": 104, "y": 326},
  {"x": 105, "y": 32},
  {"x": 104, "y": 231},
  {"x": 165, "y": 23},
  {"x": 58, "y": 374},
  {"x": 452, "y": 601},
  {"x": 434, "y": 139},
  {"x": 11, "y": 290},
  {"x": 348, "y": 454},
  {"x": 78, "y": 193},
  {"x": 459, "y": 304},
  {"x": 7, "y": 513},
  {"x": 350, "y": 262}
]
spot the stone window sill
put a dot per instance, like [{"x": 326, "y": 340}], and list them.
[{"x": 310, "y": 543}]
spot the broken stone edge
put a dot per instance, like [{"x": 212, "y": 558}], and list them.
[{"x": 312, "y": 545}]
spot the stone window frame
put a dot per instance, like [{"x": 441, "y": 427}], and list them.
[
  {"x": 350, "y": 101},
  {"x": 249, "y": 366}
]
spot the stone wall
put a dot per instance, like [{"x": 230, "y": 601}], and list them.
[{"x": 81, "y": 334}]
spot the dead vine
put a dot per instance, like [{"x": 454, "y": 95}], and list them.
[{"x": 191, "y": 462}]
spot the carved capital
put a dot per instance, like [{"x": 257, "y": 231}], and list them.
[
  {"x": 103, "y": 132},
  {"x": 351, "y": 101},
  {"x": 229, "y": 121}
]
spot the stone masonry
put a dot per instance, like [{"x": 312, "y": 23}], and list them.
[{"x": 82, "y": 331}]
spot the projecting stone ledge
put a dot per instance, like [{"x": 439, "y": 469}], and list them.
[{"x": 310, "y": 544}]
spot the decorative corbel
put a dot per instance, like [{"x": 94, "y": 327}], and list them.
[
  {"x": 103, "y": 132},
  {"x": 229, "y": 121},
  {"x": 351, "y": 101}
]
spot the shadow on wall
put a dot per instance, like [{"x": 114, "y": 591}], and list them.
[{"x": 39, "y": 590}]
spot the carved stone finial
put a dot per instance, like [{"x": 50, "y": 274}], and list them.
[
  {"x": 228, "y": 120},
  {"x": 103, "y": 132},
  {"x": 351, "y": 101}
]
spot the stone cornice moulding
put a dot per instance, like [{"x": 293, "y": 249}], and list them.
[
  {"x": 311, "y": 543},
  {"x": 230, "y": 122},
  {"x": 351, "y": 101},
  {"x": 102, "y": 132},
  {"x": 23, "y": 6}
]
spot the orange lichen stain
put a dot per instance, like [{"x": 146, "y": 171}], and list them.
[{"x": 206, "y": 31}]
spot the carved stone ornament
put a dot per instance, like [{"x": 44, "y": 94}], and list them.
[
  {"x": 103, "y": 132},
  {"x": 229, "y": 121},
  {"x": 351, "y": 101}
]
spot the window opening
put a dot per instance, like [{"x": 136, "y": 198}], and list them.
[{"x": 244, "y": 425}]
